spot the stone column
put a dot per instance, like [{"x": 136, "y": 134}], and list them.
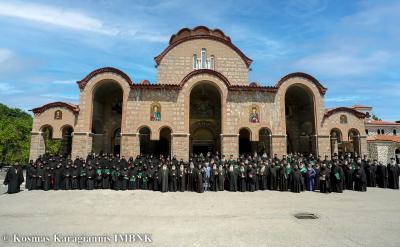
[
  {"x": 279, "y": 145},
  {"x": 81, "y": 144},
  {"x": 130, "y": 144},
  {"x": 363, "y": 146},
  {"x": 38, "y": 146},
  {"x": 180, "y": 145},
  {"x": 230, "y": 145}
]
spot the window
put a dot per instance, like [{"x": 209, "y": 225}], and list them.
[
  {"x": 211, "y": 62},
  {"x": 382, "y": 132},
  {"x": 394, "y": 132},
  {"x": 366, "y": 131},
  {"x": 203, "y": 58},
  {"x": 343, "y": 119},
  {"x": 194, "y": 61}
]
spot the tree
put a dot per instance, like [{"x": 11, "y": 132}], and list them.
[
  {"x": 15, "y": 128},
  {"x": 374, "y": 117}
]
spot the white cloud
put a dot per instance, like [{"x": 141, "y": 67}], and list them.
[
  {"x": 345, "y": 99},
  {"x": 344, "y": 63},
  {"x": 7, "y": 89},
  {"x": 54, "y": 16}
]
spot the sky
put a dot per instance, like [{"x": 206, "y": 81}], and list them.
[{"x": 351, "y": 47}]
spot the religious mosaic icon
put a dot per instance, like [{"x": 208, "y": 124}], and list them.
[
  {"x": 58, "y": 115},
  {"x": 254, "y": 116},
  {"x": 155, "y": 114}
]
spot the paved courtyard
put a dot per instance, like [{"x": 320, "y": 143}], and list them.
[{"x": 263, "y": 218}]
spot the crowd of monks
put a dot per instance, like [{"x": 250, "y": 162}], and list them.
[{"x": 292, "y": 172}]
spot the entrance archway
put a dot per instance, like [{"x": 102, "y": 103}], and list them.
[
  {"x": 244, "y": 142},
  {"x": 67, "y": 140},
  {"x": 205, "y": 118},
  {"x": 336, "y": 142},
  {"x": 163, "y": 146},
  {"x": 264, "y": 143},
  {"x": 354, "y": 141},
  {"x": 144, "y": 139},
  {"x": 300, "y": 120},
  {"x": 106, "y": 116}
]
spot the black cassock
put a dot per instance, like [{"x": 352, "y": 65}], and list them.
[
  {"x": 348, "y": 177},
  {"x": 360, "y": 180},
  {"x": 67, "y": 178},
  {"x": 296, "y": 181},
  {"x": 173, "y": 180},
  {"x": 273, "y": 183},
  {"x": 198, "y": 180},
  {"x": 337, "y": 178},
  {"x": 164, "y": 172},
  {"x": 232, "y": 177},
  {"x": 283, "y": 179},
  {"x": 263, "y": 178},
  {"x": 242, "y": 181},
  {"x": 251, "y": 182},
  {"x": 182, "y": 179},
  {"x": 48, "y": 179},
  {"x": 58, "y": 177},
  {"x": 221, "y": 179},
  {"x": 382, "y": 176},
  {"x": 190, "y": 180},
  {"x": 393, "y": 176},
  {"x": 14, "y": 178},
  {"x": 91, "y": 174},
  {"x": 323, "y": 180},
  {"x": 75, "y": 178}
]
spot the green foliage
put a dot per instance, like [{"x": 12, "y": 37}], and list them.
[
  {"x": 374, "y": 117},
  {"x": 52, "y": 146},
  {"x": 15, "y": 128}
]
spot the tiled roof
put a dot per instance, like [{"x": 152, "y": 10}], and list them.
[
  {"x": 384, "y": 138},
  {"x": 379, "y": 122}
]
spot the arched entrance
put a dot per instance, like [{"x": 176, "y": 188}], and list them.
[
  {"x": 67, "y": 140},
  {"x": 336, "y": 142},
  {"x": 116, "y": 141},
  {"x": 264, "y": 143},
  {"x": 300, "y": 120},
  {"x": 354, "y": 141},
  {"x": 144, "y": 139},
  {"x": 205, "y": 118},
  {"x": 244, "y": 142},
  {"x": 51, "y": 145},
  {"x": 106, "y": 116},
  {"x": 163, "y": 146}
]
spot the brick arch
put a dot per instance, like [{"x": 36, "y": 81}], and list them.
[
  {"x": 82, "y": 83},
  {"x": 248, "y": 129},
  {"x": 162, "y": 127},
  {"x": 310, "y": 78}
]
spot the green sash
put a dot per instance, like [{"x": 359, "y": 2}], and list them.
[
  {"x": 303, "y": 170},
  {"x": 98, "y": 171},
  {"x": 337, "y": 175}
]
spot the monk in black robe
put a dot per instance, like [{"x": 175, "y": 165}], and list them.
[
  {"x": 232, "y": 177},
  {"x": 337, "y": 178},
  {"x": 263, "y": 177},
  {"x": 67, "y": 179},
  {"x": 14, "y": 178},
  {"x": 125, "y": 178},
  {"x": 360, "y": 179},
  {"x": 191, "y": 178},
  {"x": 58, "y": 176},
  {"x": 75, "y": 177},
  {"x": 181, "y": 178},
  {"x": 242, "y": 179},
  {"x": 164, "y": 174},
  {"x": 91, "y": 175},
  {"x": 296, "y": 181},
  {"x": 251, "y": 178},
  {"x": 40, "y": 176},
  {"x": 106, "y": 175},
  {"x": 199, "y": 179},
  {"x": 324, "y": 179},
  {"x": 381, "y": 175},
  {"x": 82, "y": 175},
  {"x": 393, "y": 174},
  {"x": 273, "y": 183},
  {"x": 47, "y": 179},
  {"x": 173, "y": 179},
  {"x": 29, "y": 170},
  {"x": 221, "y": 178}
]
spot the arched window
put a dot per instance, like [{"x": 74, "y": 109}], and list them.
[
  {"x": 343, "y": 119},
  {"x": 382, "y": 132},
  {"x": 58, "y": 115},
  {"x": 211, "y": 63},
  {"x": 394, "y": 132},
  {"x": 203, "y": 58},
  {"x": 366, "y": 131},
  {"x": 194, "y": 61},
  {"x": 379, "y": 131}
]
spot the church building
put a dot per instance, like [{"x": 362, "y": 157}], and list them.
[{"x": 202, "y": 101}]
